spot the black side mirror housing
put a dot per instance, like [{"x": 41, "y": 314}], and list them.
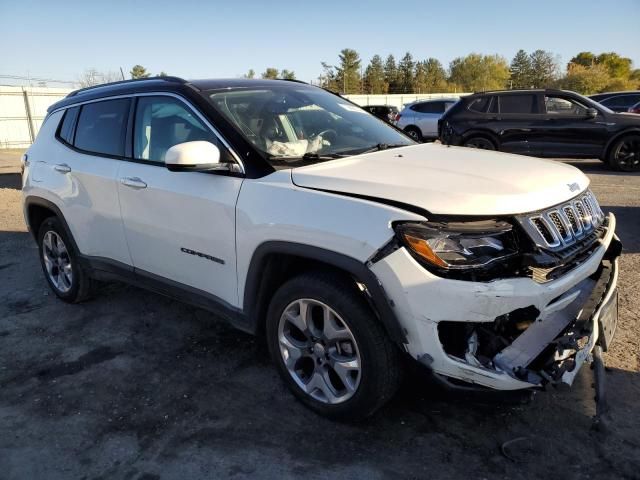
[{"x": 591, "y": 113}]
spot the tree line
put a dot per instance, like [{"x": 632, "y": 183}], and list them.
[{"x": 585, "y": 73}]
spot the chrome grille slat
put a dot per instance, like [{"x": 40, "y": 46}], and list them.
[{"x": 561, "y": 226}]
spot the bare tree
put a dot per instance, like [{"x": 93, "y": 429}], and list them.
[{"x": 91, "y": 77}]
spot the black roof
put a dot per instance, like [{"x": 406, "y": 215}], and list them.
[
  {"x": 522, "y": 90},
  {"x": 614, "y": 94},
  {"x": 170, "y": 84}
]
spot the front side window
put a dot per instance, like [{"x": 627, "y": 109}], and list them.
[
  {"x": 162, "y": 122},
  {"x": 102, "y": 126},
  {"x": 518, "y": 104},
  {"x": 563, "y": 106},
  {"x": 298, "y": 125}
]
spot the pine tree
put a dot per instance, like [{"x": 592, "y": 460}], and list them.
[
  {"x": 391, "y": 74},
  {"x": 348, "y": 72},
  {"x": 138, "y": 71},
  {"x": 405, "y": 73},
  {"x": 270, "y": 73},
  {"x": 374, "y": 76},
  {"x": 520, "y": 70}
]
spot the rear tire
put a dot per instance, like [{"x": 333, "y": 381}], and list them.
[
  {"x": 414, "y": 133},
  {"x": 624, "y": 155},
  {"x": 318, "y": 321},
  {"x": 479, "y": 142},
  {"x": 61, "y": 263}
]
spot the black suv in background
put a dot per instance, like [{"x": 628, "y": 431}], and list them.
[
  {"x": 387, "y": 113},
  {"x": 617, "y": 101},
  {"x": 544, "y": 123}
]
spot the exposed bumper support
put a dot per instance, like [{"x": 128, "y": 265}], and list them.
[{"x": 573, "y": 311}]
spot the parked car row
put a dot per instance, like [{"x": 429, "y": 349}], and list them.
[
  {"x": 347, "y": 246},
  {"x": 544, "y": 123}
]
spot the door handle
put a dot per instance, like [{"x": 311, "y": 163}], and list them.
[
  {"x": 62, "y": 168},
  {"x": 133, "y": 182}
]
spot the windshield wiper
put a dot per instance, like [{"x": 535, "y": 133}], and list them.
[
  {"x": 380, "y": 146},
  {"x": 308, "y": 156}
]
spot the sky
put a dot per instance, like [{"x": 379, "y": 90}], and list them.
[{"x": 208, "y": 39}]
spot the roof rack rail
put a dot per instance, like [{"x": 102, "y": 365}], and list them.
[
  {"x": 293, "y": 80},
  {"x": 121, "y": 82}
]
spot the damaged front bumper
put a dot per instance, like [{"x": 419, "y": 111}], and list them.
[{"x": 511, "y": 333}]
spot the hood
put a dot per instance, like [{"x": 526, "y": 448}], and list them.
[{"x": 449, "y": 180}]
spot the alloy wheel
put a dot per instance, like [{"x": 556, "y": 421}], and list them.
[
  {"x": 627, "y": 155},
  {"x": 57, "y": 261},
  {"x": 319, "y": 351}
]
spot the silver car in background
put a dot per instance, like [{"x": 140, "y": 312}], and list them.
[{"x": 420, "y": 119}]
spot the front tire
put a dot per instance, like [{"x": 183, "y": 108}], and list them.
[
  {"x": 479, "y": 142},
  {"x": 61, "y": 263},
  {"x": 625, "y": 154},
  {"x": 329, "y": 347}
]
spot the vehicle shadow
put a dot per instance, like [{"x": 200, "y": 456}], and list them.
[{"x": 11, "y": 180}]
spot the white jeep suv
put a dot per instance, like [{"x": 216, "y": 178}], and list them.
[{"x": 296, "y": 215}]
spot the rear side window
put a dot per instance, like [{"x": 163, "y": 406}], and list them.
[
  {"x": 429, "y": 107},
  {"x": 102, "y": 126},
  {"x": 479, "y": 104},
  {"x": 68, "y": 123},
  {"x": 523, "y": 104}
]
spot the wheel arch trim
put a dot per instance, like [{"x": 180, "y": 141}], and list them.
[
  {"x": 254, "y": 285},
  {"x": 32, "y": 201}
]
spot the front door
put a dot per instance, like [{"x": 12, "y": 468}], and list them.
[
  {"x": 179, "y": 226},
  {"x": 567, "y": 130}
]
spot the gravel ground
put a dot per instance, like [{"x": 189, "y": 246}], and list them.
[{"x": 133, "y": 385}]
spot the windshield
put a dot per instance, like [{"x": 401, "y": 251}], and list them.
[
  {"x": 590, "y": 102},
  {"x": 297, "y": 125}
]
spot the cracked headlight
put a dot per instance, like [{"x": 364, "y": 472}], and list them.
[{"x": 458, "y": 245}]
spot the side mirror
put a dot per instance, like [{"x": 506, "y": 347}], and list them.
[
  {"x": 194, "y": 157},
  {"x": 591, "y": 113}
]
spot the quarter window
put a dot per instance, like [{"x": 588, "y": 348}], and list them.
[
  {"x": 101, "y": 127},
  {"x": 479, "y": 104},
  {"x": 429, "y": 107},
  {"x": 68, "y": 122},
  {"x": 161, "y": 123},
  {"x": 519, "y": 104}
]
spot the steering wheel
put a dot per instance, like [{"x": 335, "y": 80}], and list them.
[{"x": 330, "y": 134}]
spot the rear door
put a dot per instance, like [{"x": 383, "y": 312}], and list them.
[
  {"x": 427, "y": 117},
  {"x": 180, "y": 226},
  {"x": 81, "y": 172},
  {"x": 517, "y": 114},
  {"x": 568, "y": 131}
]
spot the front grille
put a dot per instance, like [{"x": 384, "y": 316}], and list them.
[{"x": 561, "y": 226}]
